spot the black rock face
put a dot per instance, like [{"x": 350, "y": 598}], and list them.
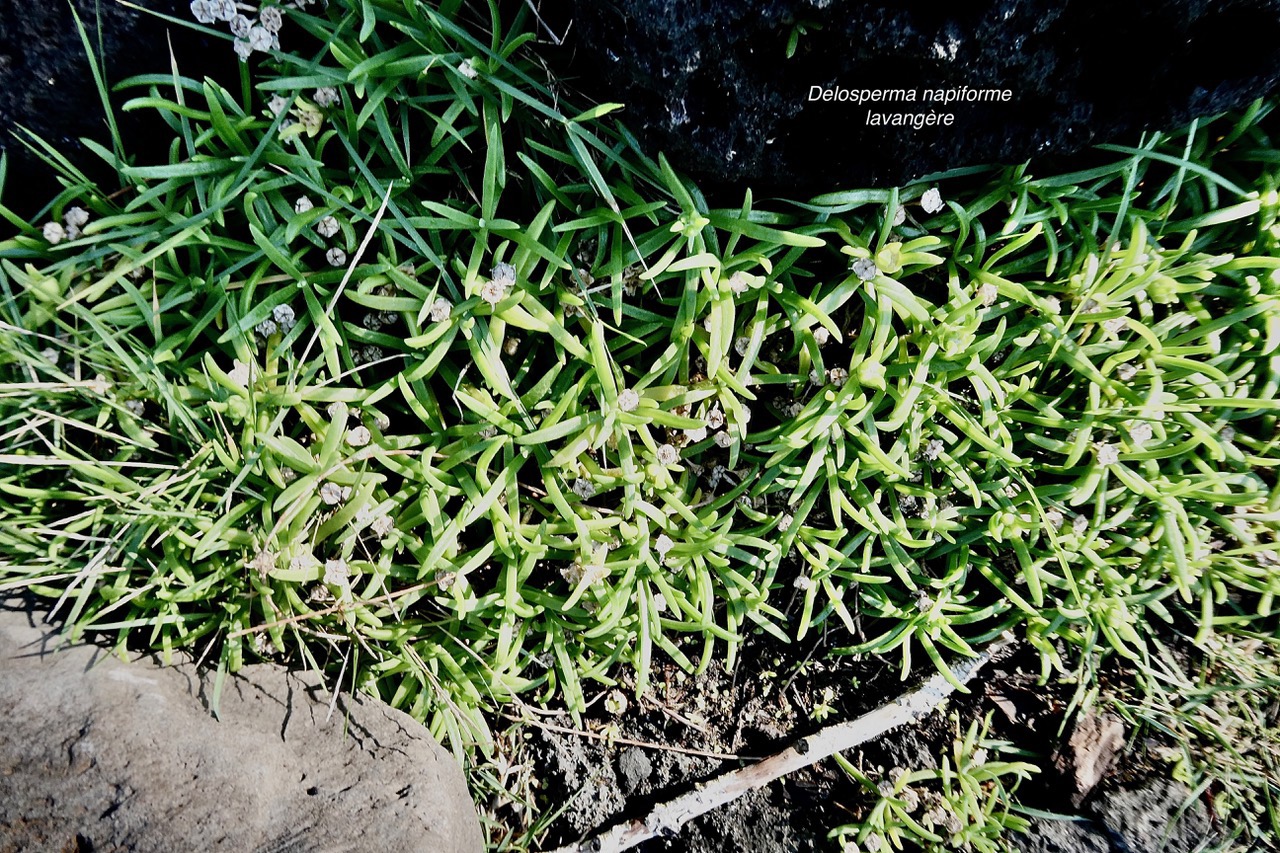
[
  {"x": 710, "y": 82},
  {"x": 47, "y": 85}
]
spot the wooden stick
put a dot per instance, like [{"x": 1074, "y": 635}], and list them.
[{"x": 665, "y": 819}]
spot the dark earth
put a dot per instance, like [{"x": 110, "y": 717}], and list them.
[
  {"x": 47, "y": 85},
  {"x": 711, "y": 85},
  {"x": 1129, "y": 806},
  {"x": 710, "y": 82}
]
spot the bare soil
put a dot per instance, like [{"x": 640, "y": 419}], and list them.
[{"x": 689, "y": 728}]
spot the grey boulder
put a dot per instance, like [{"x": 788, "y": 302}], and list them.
[{"x": 99, "y": 754}]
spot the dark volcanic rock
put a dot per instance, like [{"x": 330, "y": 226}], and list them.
[
  {"x": 97, "y": 754},
  {"x": 1060, "y": 836},
  {"x": 709, "y": 82},
  {"x": 1159, "y": 816},
  {"x": 1153, "y": 817},
  {"x": 47, "y": 84}
]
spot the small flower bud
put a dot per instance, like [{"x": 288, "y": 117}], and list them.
[
  {"x": 493, "y": 292},
  {"x": 336, "y": 573},
  {"x": 260, "y": 39},
  {"x": 359, "y": 436},
  {"x": 1140, "y": 434},
  {"x": 240, "y": 373},
  {"x": 1115, "y": 325},
  {"x": 328, "y": 226},
  {"x": 76, "y": 217},
  {"x": 223, "y": 10},
  {"x": 441, "y": 309},
  {"x": 325, "y": 96},
  {"x": 54, "y": 233},
  {"x": 333, "y": 494},
  {"x": 1107, "y": 454},
  {"x": 202, "y": 10},
  {"x": 865, "y": 269},
  {"x": 503, "y": 274},
  {"x": 284, "y": 317},
  {"x": 271, "y": 18}
]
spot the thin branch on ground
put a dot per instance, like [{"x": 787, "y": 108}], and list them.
[{"x": 665, "y": 819}]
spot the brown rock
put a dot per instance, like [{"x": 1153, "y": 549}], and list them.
[
  {"x": 104, "y": 755},
  {"x": 1091, "y": 751}
]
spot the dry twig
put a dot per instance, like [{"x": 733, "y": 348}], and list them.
[{"x": 665, "y": 819}]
